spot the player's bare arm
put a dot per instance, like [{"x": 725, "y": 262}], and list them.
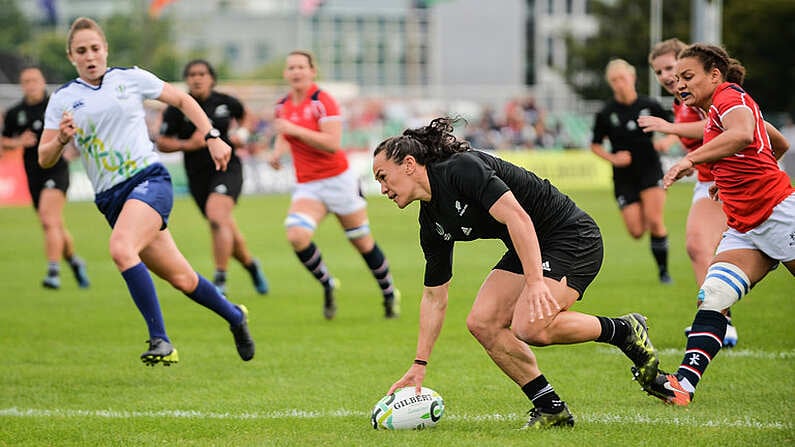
[{"x": 507, "y": 210}]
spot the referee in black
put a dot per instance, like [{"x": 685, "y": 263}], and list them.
[
  {"x": 554, "y": 251},
  {"x": 637, "y": 170},
  {"x": 23, "y": 125},
  {"x": 215, "y": 192}
]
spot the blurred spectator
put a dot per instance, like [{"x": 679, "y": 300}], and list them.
[
  {"x": 516, "y": 131},
  {"x": 485, "y": 133}
]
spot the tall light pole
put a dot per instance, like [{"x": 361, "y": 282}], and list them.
[
  {"x": 655, "y": 35},
  {"x": 706, "y": 21}
]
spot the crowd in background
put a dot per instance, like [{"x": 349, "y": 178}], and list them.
[{"x": 518, "y": 124}]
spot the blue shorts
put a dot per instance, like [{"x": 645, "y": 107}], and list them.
[{"x": 151, "y": 186}]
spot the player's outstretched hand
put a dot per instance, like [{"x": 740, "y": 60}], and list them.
[
  {"x": 654, "y": 124},
  {"x": 413, "y": 377},
  {"x": 682, "y": 168}
]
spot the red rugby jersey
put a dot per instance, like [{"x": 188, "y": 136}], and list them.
[
  {"x": 690, "y": 114},
  {"x": 750, "y": 182},
  {"x": 310, "y": 163}
]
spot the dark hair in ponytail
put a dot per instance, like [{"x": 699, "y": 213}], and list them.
[
  {"x": 735, "y": 72},
  {"x": 428, "y": 144}
]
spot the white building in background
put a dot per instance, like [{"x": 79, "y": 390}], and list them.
[{"x": 486, "y": 51}]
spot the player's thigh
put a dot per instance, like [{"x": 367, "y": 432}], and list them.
[
  {"x": 137, "y": 226},
  {"x": 705, "y": 223},
  {"x": 564, "y": 295},
  {"x": 653, "y": 202},
  {"x": 753, "y": 263},
  {"x": 312, "y": 208},
  {"x": 354, "y": 219},
  {"x": 632, "y": 214},
  {"x": 495, "y": 302},
  {"x": 51, "y": 205},
  {"x": 219, "y": 207},
  {"x": 224, "y": 189},
  {"x": 164, "y": 259}
]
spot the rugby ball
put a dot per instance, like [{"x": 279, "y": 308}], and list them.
[{"x": 406, "y": 410}]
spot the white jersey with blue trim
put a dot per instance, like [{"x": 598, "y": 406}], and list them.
[{"x": 111, "y": 135}]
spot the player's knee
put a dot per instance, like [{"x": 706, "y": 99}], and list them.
[
  {"x": 636, "y": 232},
  {"x": 531, "y": 334},
  {"x": 185, "y": 282},
  {"x": 697, "y": 250},
  {"x": 215, "y": 224},
  {"x": 300, "y": 228},
  {"x": 483, "y": 332},
  {"x": 724, "y": 285},
  {"x": 298, "y": 238},
  {"x": 121, "y": 252}
]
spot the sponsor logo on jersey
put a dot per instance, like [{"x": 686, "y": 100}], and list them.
[
  {"x": 466, "y": 230},
  {"x": 545, "y": 266},
  {"x": 461, "y": 210},
  {"x": 142, "y": 188},
  {"x": 77, "y": 104},
  {"x": 22, "y": 118}
]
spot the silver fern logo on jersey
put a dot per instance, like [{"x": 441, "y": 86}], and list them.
[
  {"x": 442, "y": 233},
  {"x": 461, "y": 210},
  {"x": 222, "y": 111}
]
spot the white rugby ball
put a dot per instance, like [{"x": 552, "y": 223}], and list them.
[{"x": 406, "y": 410}]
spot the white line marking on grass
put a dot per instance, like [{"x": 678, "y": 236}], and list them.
[
  {"x": 747, "y": 353},
  {"x": 727, "y": 352},
  {"x": 607, "y": 419}
]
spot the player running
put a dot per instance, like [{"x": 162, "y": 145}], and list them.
[{"x": 758, "y": 200}]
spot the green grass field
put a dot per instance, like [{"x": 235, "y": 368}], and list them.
[{"x": 70, "y": 373}]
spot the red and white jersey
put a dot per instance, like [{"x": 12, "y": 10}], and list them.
[
  {"x": 691, "y": 114},
  {"x": 310, "y": 163},
  {"x": 750, "y": 182}
]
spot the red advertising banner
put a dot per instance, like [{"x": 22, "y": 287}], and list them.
[{"x": 13, "y": 182}]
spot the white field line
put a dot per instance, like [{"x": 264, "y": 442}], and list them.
[
  {"x": 596, "y": 418},
  {"x": 728, "y": 352}
]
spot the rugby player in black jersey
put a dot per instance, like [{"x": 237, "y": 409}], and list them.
[
  {"x": 637, "y": 170},
  {"x": 215, "y": 192},
  {"x": 23, "y": 125},
  {"x": 554, "y": 251}
]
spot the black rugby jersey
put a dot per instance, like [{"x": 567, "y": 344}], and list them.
[
  {"x": 463, "y": 189},
  {"x": 619, "y": 123},
  {"x": 220, "y": 108},
  {"x": 22, "y": 117}
]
